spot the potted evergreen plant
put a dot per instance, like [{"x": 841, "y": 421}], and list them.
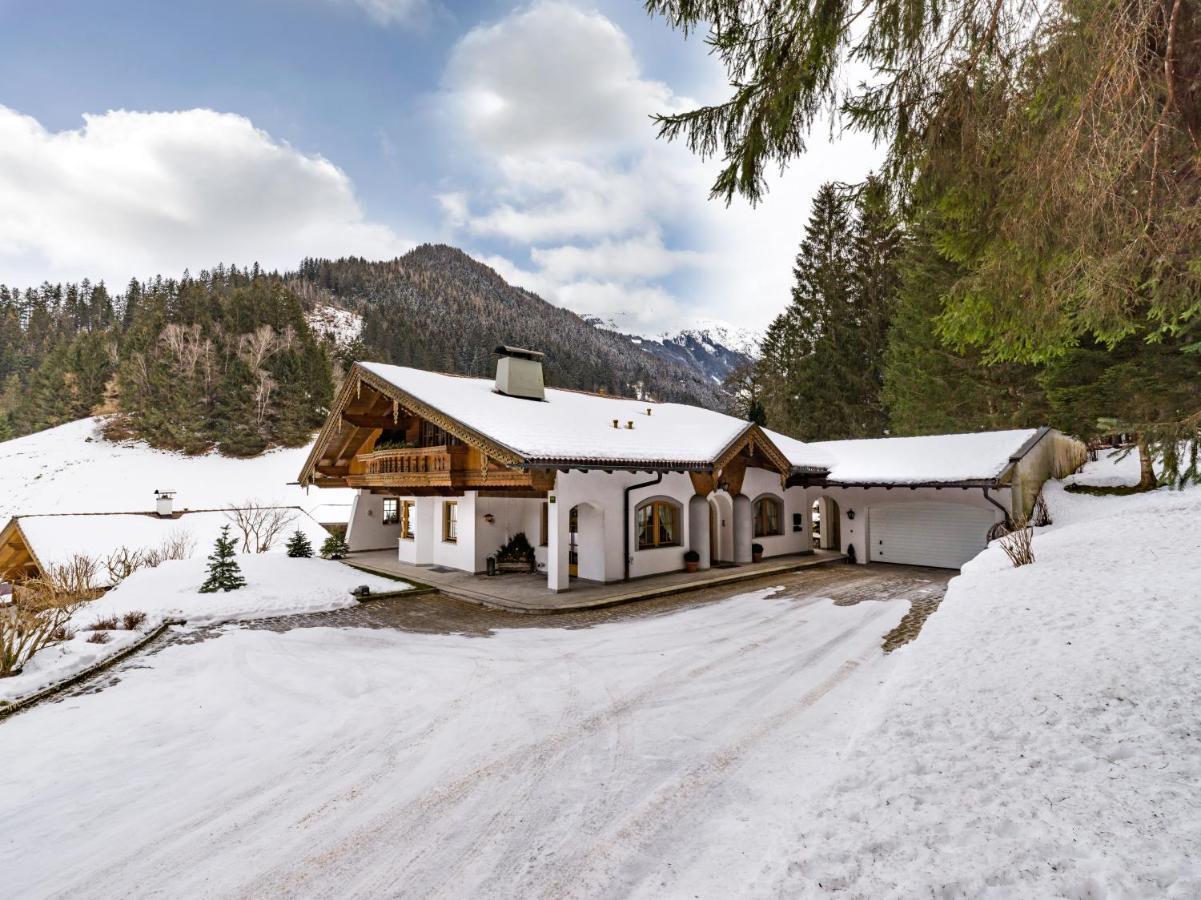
[
  {"x": 692, "y": 561},
  {"x": 516, "y": 556},
  {"x": 756, "y": 553}
]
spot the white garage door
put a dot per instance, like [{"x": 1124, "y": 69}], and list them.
[{"x": 927, "y": 534}]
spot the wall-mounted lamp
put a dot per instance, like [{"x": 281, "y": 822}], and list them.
[
  {"x": 489, "y": 518},
  {"x": 850, "y": 513}
]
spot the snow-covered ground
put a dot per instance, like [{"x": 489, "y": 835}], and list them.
[
  {"x": 72, "y": 469},
  {"x": 275, "y": 585},
  {"x": 1041, "y": 738},
  {"x": 351, "y": 762}
]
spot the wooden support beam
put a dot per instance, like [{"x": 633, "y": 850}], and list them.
[{"x": 703, "y": 483}]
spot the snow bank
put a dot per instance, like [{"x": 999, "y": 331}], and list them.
[
  {"x": 73, "y": 469},
  {"x": 1041, "y": 738},
  {"x": 276, "y": 585},
  {"x": 55, "y": 539},
  {"x": 57, "y": 663}
]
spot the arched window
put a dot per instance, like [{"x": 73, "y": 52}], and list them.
[
  {"x": 768, "y": 516},
  {"x": 658, "y": 524}
]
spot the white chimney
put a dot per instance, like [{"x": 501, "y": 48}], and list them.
[
  {"x": 519, "y": 373},
  {"x": 164, "y": 503}
]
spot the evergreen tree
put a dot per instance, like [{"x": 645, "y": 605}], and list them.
[
  {"x": 224, "y": 574},
  {"x": 821, "y": 368},
  {"x": 875, "y": 285},
  {"x": 334, "y": 547},
  {"x": 931, "y": 388},
  {"x": 802, "y": 393},
  {"x": 299, "y": 546}
]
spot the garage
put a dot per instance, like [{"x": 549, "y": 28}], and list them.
[{"x": 944, "y": 535}]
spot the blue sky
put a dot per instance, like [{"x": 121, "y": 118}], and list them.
[{"x": 273, "y": 129}]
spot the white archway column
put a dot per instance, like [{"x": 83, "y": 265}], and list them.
[
  {"x": 558, "y": 545},
  {"x": 743, "y": 530},
  {"x": 698, "y": 528}
]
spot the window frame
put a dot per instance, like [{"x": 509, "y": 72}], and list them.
[
  {"x": 394, "y": 518},
  {"x": 656, "y": 505},
  {"x": 757, "y": 519},
  {"x": 450, "y": 521},
  {"x": 407, "y": 508}
]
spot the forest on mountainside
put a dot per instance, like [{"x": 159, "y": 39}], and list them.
[
  {"x": 1030, "y": 251},
  {"x": 437, "y": 308},
  {"x": 226, "y": 359}
]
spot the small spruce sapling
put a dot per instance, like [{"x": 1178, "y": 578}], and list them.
[
  {"x": 334, "y": 547},
  {"x": 299, "y": 546},
  {"x": 224, "y": 572}
]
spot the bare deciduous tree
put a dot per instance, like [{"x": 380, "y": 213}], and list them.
[
  {"x": 78, "y": 573},
  {"x": 260, "y": 525}
]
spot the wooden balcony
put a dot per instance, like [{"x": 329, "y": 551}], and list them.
[
  {"x": 408, "y": 467},
  {"x": 439, "y": 469}
]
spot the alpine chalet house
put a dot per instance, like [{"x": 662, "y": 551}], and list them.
[{"x": 449, "y": 468}]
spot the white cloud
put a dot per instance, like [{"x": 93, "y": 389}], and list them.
[
  {"x": 551, "y": 78},
  {"x": 552, "y": 109},
  {"x": 391, "y": 12},
  {"x": 136, "y": 193},
  {"x": 641, "y": 256}
]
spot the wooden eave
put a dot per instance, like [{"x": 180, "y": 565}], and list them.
[
  {"x": 754, "y": 441},
  {"x": 15, "y": 547},
  {"x": 361, "y": 424}
]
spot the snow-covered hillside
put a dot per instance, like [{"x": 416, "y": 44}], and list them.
[
  {"x": 73, "y": 469},
  {"x": 341, "y": 327}
]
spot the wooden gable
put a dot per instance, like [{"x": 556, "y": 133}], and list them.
[{"x": 444, "y": 457}]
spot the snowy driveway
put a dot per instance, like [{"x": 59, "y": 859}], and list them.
[{"x": 657, "y": 752}]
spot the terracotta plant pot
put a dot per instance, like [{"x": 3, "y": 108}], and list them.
[
  {"x": 756, "y": 557},
  {"x": 692, "y": 567}
]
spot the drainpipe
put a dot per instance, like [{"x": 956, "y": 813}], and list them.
[
  {"x": 625, "y": 520},
  {"x": 1004, "y": 511}
]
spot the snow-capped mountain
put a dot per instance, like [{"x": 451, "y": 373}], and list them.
[{"x": 710, "y": 348}]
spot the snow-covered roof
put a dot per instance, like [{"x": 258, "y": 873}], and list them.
[
  {"x": 799, "y": 453},
  {"x": 942, "y": 458},
  {"x": 56, "y": 538},
  {"x": 572, "y": 425}
]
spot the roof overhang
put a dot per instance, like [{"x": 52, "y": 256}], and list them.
[{"x": 751, "y": 439}]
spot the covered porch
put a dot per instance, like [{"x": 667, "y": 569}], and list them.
[{"x": 528, "y": 593}]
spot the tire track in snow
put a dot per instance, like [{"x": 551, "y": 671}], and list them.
[
  {"x": 549, "y": 755},
  {"x": 647, "y": 822},
  {"x": 425, "y": 811}
]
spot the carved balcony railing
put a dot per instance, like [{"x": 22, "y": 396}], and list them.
[
  {"x": 410, "y": 466},
  {"x": 457, "y": 466}
]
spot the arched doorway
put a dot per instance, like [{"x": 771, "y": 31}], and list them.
[
  {"x": 586, "y": 542},
  {"x": 721, "y": 528},
  {"x": 827, "y": 518}
]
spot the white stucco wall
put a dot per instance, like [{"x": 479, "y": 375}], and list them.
[
  {"x": 510, "y": 516},
  {"x": 601, "y": 537},
  {"x": 859, "y": 500},
  {"x": 366, "y": 529},
  {"x": 759, "y": 482}
]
